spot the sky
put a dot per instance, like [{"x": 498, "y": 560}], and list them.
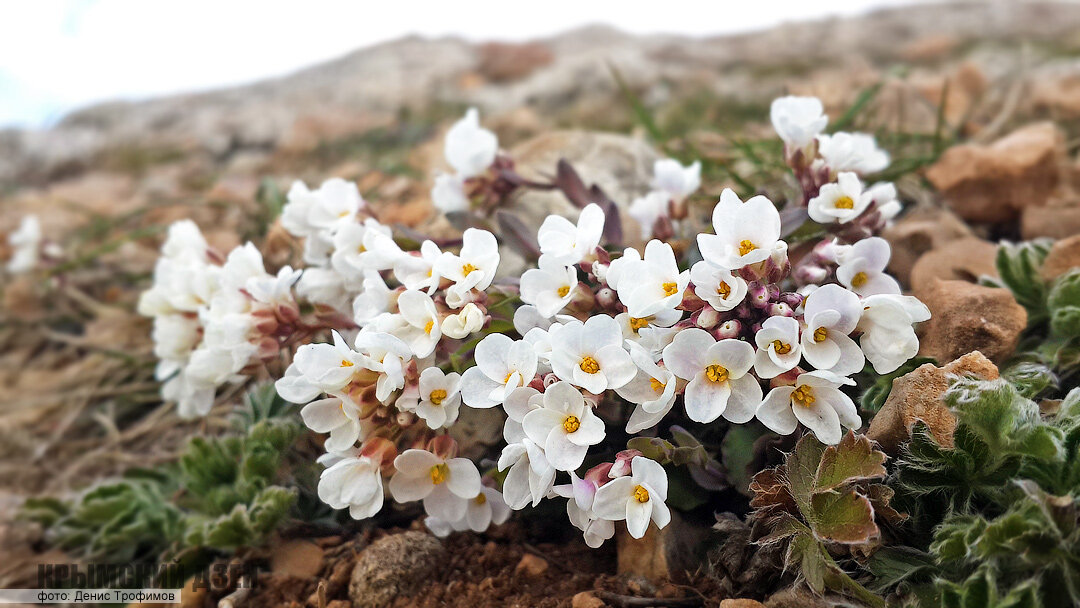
[{"x": 58, "y": 55}]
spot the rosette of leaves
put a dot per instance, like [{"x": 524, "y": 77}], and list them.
[{"x": 823, "y": 502}]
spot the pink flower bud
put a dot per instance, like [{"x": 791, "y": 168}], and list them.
[{"x": 728, "y": 329}]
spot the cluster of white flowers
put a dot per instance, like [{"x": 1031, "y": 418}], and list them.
[
  {"x": 213, "y": 319},
  {"x": 26, "y": 245},
  {"x": 672, "y": 183},
  {"x": 606, "y": 344}
]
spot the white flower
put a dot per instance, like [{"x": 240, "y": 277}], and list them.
[
  {"x": 501, "y": 366},
  {"x": 418, "y": 271},
  {"x": 308, "y": 212},
  {"x": 590, "y": 354},
  {"x": 422, "y": 330},
  {"x": 778, "y": 346},
  {"x": 862, "y": 268},
  {"x": 884, "y": 194},
  {"x": 720, "y": 288},
  {"x": 550, "y": 287},
  {"x": 475, "y": 266},
  {"x": 637, "y": 498},
  {"x": 579, "y": 508},
  {"x": 338, "y": 417},
  {"x": 359, "y": 248},
  {"x": 746, "y": 233},
  {"x": 717, "y": 371},
  {"x": 675, "y": 180},
  {"x": 655, "y": 283},
  {"x": 387, "y": 355},
  {"x": 649, "y": 208},
  {"x": 652, "y": 390},
  {"x": 444, "y": 485},
  {"x": 530, "y": 475},
  {"x": 271, "y": 289},
  {"x": 325, "y": 286},
  {"x": 470, "y": 149},
  {"x": 798, "y": 120},
  {"x": 565, "y": 243},
  {"x": 374, "y": 300},
  {"x": 448, "y": 193},
  {"x": 638, "y": 329},
  {"x": 816, "y": 401},
  {"x": 354, "y": 483},
  {"x": 856, "y": 152},
  {"x": 25, "y": 243},
  {"x": 831, "y": 314},
  {"x": 440, "y": 397},
  {"x": 840, "y": 202},
  {"x": 319, "y": 368},
  {"x": 565, "y": 426},
  {"x": 487, "y": 508},
  {"x": 185, "y": 241},
  {"x": 174, "y": 336},
  {"x": 888, "y": 339},
  {"x": 468, "y": 320}
]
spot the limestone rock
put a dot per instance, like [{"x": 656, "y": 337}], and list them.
[
  {"x": 918, "y": 394},
  {"x": 993, "y": 183},
  {"x": 531, "y": 565},
  {"x": 967, "y": 317},
  {"x": 300, "y": 558},
  {"x": 741, "y": 603},
  {"x": 394, "y": 566},
  {"x": 1063, "y": 257},
  {"x": 796, "y": 597},
  {"x": 961, "y": 260},
  {"x": 1050, "y": 221},
  {"x": 622, "y": 166},
  {"x": 504, "y": 62},
  {"x": 921, "y": 230},
  {"x": 586, "y": 599},
  {"x": 662, "y": 554}
]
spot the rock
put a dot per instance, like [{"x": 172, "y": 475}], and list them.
[
  {"x": 299, "y": 558},
  {"x": 662, "y": 554},
  {"x": 962, "y": 260},
  {"x": 920, "y": 230},
  {"x": 531, "y": 565},
  {"x": 741, "y": 603},
  {"x": 933, "y": 47},
  {"x": 394, "y": 566},
  {"x": 504, "y": 62},
  {"x": 795, "y": 597},
  {"x": 622, "y": 166},
  {"x": 1050, "y": 221},
  {"x": 586, "y": 599},
  {"x": 993, "y": 183},
  {"x": 917, "y": 395},
  {"x": 1063, "y": 257},
  {"x": 967, "y": 317}
]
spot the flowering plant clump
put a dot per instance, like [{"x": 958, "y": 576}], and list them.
[{"x": 595, "y": 345}]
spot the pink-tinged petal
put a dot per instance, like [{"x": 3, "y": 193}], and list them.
[
  {"x": 822, "y": 420},
  {"x": 610, "y": 500},
  {"x": 686, "y": 355},
  {"x": 648, "y": 472},
  {"x": 464, "y": 479},
  {"x": 775, "y": 411},
  {"x": 735, "y": 355},
  {"x": 705, "y": 400},
  {"x": 744, "y": 400},
  {"x": 539, "y": 423},
  {"x": 416, "y": 462},
  {"x": 638, "y": 516},
  {"x": 407, "y": 489}
]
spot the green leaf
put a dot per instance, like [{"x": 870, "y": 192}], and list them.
[
  {"x": 853, "y": 459},
  {"x": 801, "y": 469},
  {"x": 1018, "y": 266},
  {"x": 894, "y": 565},
  {"x": 842, "y": 517}
]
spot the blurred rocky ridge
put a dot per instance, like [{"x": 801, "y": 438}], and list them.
[{"x": 565, "y": 76}]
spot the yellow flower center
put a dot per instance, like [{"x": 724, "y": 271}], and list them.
[
  {"x": 859, "y": 279},
  {"x": 439, "y": 473},
  {"x": 844, "y": 202},
  {"x": 657, "y": 385},
  {"x": 437, "y": 396},
  {"x": 820, "y": 334},
  {"x": 589, "y": 365},
  {"x": 506, "y": 380},
  {"x": 723, "y": 289},
  {"x": 467, "y": 268},
  {"x": 346, "y": 363},
  {"x": 562, "y": 291},
  {"x": 670, "y": 289},
  {"x": 803, "y": 395},
  {"x": 641, "y": 494},
  {"x": 571, "y": 424},
  {"x": 427, "y": 328},
  {"x": 716, "y": 373},
  {"x": 746, "y": 246},
  {"x": 480, "y": 498},
  {"x": 361, "y": 249},
  {"x": 636, "y": 323},
  {"x": 781, "y": 348}
]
